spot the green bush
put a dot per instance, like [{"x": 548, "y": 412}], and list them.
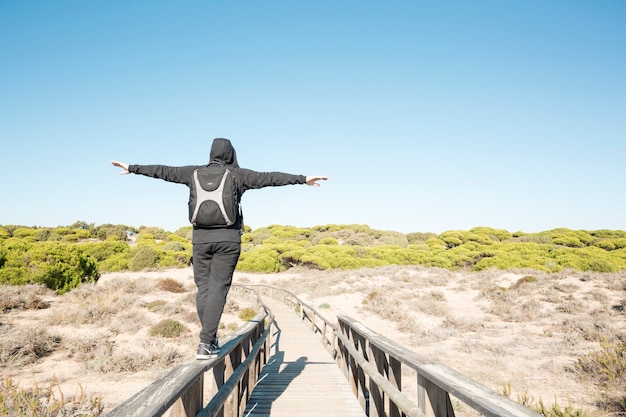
[
  {"x": 115, "y": 263},
  {"x": 497, "y": 235},
  {"x": 604, "y": 244},
  {"x": 105, "y": 250},
  {"x": 260, "y": 235},
  {"x": 571, "y": 241},
  {"x": 59, "y": 266},
  {"x": 174, "y": 246},
  {"x": 43, "y": 235},
  {"x": 393, "y": 238},
  {"x": 276, "y": 248},
  {"x": 22, "y": 232},
  {"x": 117, "y": 232},
  {"x": 146, "y": 238},
  {"x": 359, "y": 239},
  {"x": 144, "y": 257},
  {"x": 289, "y": 232},
  {"x": 4, "y": 233},
  {"x": 452, "y": 238},
  {"x": 260, "y": 260},
  {"x": 151, "y": 233},
  {"x": 417, "y": 237}
]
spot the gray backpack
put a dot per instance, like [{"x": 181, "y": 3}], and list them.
[{"x": 213, "y": 199}]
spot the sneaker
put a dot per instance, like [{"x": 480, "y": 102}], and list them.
[{"x": 208, "y": 350}]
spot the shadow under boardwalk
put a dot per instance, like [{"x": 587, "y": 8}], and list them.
[{"x": 301, "y": 378}]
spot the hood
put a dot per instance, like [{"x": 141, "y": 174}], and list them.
[{"x": 222, "y": 151}]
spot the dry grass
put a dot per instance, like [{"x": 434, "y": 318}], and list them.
[
  {"x": 24, "y": 346},
  {"x": 107, "y": 331},
  {"x": 48, "y": 401},
  {"x": 527, "y": 326},
  {"x": 26, "y": 297}
]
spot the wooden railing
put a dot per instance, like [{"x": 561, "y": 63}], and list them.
[{"x": 373, "y": 366}]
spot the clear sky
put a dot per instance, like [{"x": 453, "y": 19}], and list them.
[{"x": 426, "y": 116}]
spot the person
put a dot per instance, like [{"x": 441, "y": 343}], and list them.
[{"x": 216, "y": 251}]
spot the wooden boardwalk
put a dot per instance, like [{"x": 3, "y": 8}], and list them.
[{"x": 301, "y": 378}]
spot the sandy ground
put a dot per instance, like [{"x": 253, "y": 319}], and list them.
[{"x": 492, "y": 326}]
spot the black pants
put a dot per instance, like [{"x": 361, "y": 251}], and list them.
[{"x": 213, "y": 268}]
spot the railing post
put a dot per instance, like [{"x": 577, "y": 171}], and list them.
[
  {"x": 231, "y": 363},
  {"x": 190, "y": 402},
  {"x": 432, "y": 400},
  {"x": 218, "y": 381},
  {"x": 395, "y": 377},
  {"x": 362, "y": 390},
  {"x": 377, "y": 396}
]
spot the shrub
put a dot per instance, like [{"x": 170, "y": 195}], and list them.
[
  {"x": 174, "y": 246},
  {"x": 115, "y": 263},
  {"x": 571, "y": 241},
  {"x": 497, "y": 235},
  {"x": 26, "y": 346},
  {"x": 104, "y": 250},
  {"x": 171, "y": 285},
  {"x": 451, "y": 240},
  {"x": 22, "y": 297},
  {"x": 247, "y": 314},
  {"x": 156, "y": 305},
  {"x": 522, "y": 281},
  {"x": 289, "y": 232},
  {"x": 145, "y": 257},
  {"x": 359, "y": 239},
  {"x": 263, "y": 259},
  {"x": 604, "y": 244},
  {"x": 605, "y": 367},
  {"x": 417, "y": 237},
  {"x": 167, "y": 328},
  {"x": 184, "y": 232},
  {"x": 23, "y": 232},
  {"x": 260, "y": 235},
  {"x": 4, "y": 233},
  {"x": 393, "y": 238},
  {"x": 151, "y": 233},
  {"x": 59, "y": 266}
]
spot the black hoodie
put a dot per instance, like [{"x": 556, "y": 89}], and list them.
[{"x": 222, "y": 151}]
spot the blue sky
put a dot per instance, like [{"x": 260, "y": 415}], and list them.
[{"x": 426, "y": 116}]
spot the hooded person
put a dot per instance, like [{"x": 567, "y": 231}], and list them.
[{"x": 216, "y": 250}]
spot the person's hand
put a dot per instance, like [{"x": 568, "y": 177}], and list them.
[
  {"x": 312, "y": 180},
  {"x": 122, "y": 165}
]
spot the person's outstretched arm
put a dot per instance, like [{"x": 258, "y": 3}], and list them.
[{"x": 180, "y": 175}]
